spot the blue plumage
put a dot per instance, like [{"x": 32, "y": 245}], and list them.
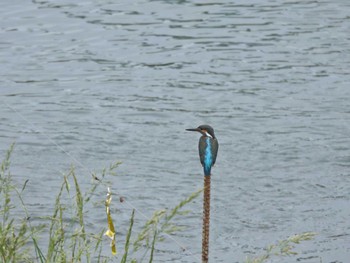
[
  {"x": 208, "y": 147},
  {"x": 208, "y": 157}
]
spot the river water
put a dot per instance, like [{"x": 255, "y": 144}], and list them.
[{"x": 121, "y": 80}]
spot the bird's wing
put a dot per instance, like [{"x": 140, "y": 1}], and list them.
[
  {"x": 201, "y": 149},
  {"x": 215, "y": 148}
]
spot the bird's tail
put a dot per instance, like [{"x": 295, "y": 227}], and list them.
[{"x": 207, "y": 170}]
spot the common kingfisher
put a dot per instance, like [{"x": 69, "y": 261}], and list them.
[{"x": 208, "y": 147}]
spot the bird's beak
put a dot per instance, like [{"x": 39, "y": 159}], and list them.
[{"x": 196, "y": 129}]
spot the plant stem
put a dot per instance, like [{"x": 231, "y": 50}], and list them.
[{"x": 206, "y": 219}]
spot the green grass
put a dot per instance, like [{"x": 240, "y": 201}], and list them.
[
  {"x": 66, "y": 231},
  {"x": 282, "y": 248},
  {"x": 66, "y": 228}
]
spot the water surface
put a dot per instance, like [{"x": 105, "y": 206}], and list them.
[{"x": 122, "y": 80}]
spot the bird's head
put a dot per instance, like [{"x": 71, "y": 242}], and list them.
[{"x": 205, "y": 130}]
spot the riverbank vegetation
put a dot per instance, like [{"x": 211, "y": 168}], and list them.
[{"x": 69, "y": 237}]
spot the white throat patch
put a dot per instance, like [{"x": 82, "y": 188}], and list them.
[{"x": 207, "y": 134}]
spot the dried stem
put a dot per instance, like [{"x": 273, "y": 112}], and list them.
[{"x": 206, "y": 219}]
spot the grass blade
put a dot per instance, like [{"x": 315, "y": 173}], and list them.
[{"x": 127, "y": 242}]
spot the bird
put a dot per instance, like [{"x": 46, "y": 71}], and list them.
[{"x": 208, "y": 147}]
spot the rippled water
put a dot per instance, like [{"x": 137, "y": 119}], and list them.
[{"x": 122, "y": 80}]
